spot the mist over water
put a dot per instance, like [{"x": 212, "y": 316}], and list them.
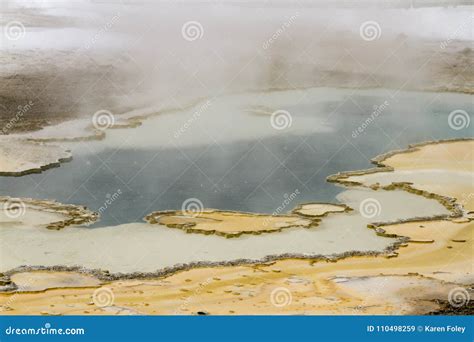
[
  {"x": 244, "y": 173},
  {"x": 167, "y": 53}
]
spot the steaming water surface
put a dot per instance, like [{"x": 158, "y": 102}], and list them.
[{"x": 226, "y": 153}]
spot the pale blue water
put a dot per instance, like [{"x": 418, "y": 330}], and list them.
[{"x": 265, "y": 171}]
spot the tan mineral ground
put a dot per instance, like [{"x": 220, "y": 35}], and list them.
[
  {"x": 319, "y": 209},
  {"x": 28, "y": 213},
  {"x": 435, "y": 260},
  {"x": 229, "y": 223},
  {"x": 20, "y": 157},
  {"x": 71, "y": 79}
]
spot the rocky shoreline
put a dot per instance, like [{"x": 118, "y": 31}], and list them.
[
  {"x": 82, "y": 216},
  {"x": 75, "y": 215}
]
